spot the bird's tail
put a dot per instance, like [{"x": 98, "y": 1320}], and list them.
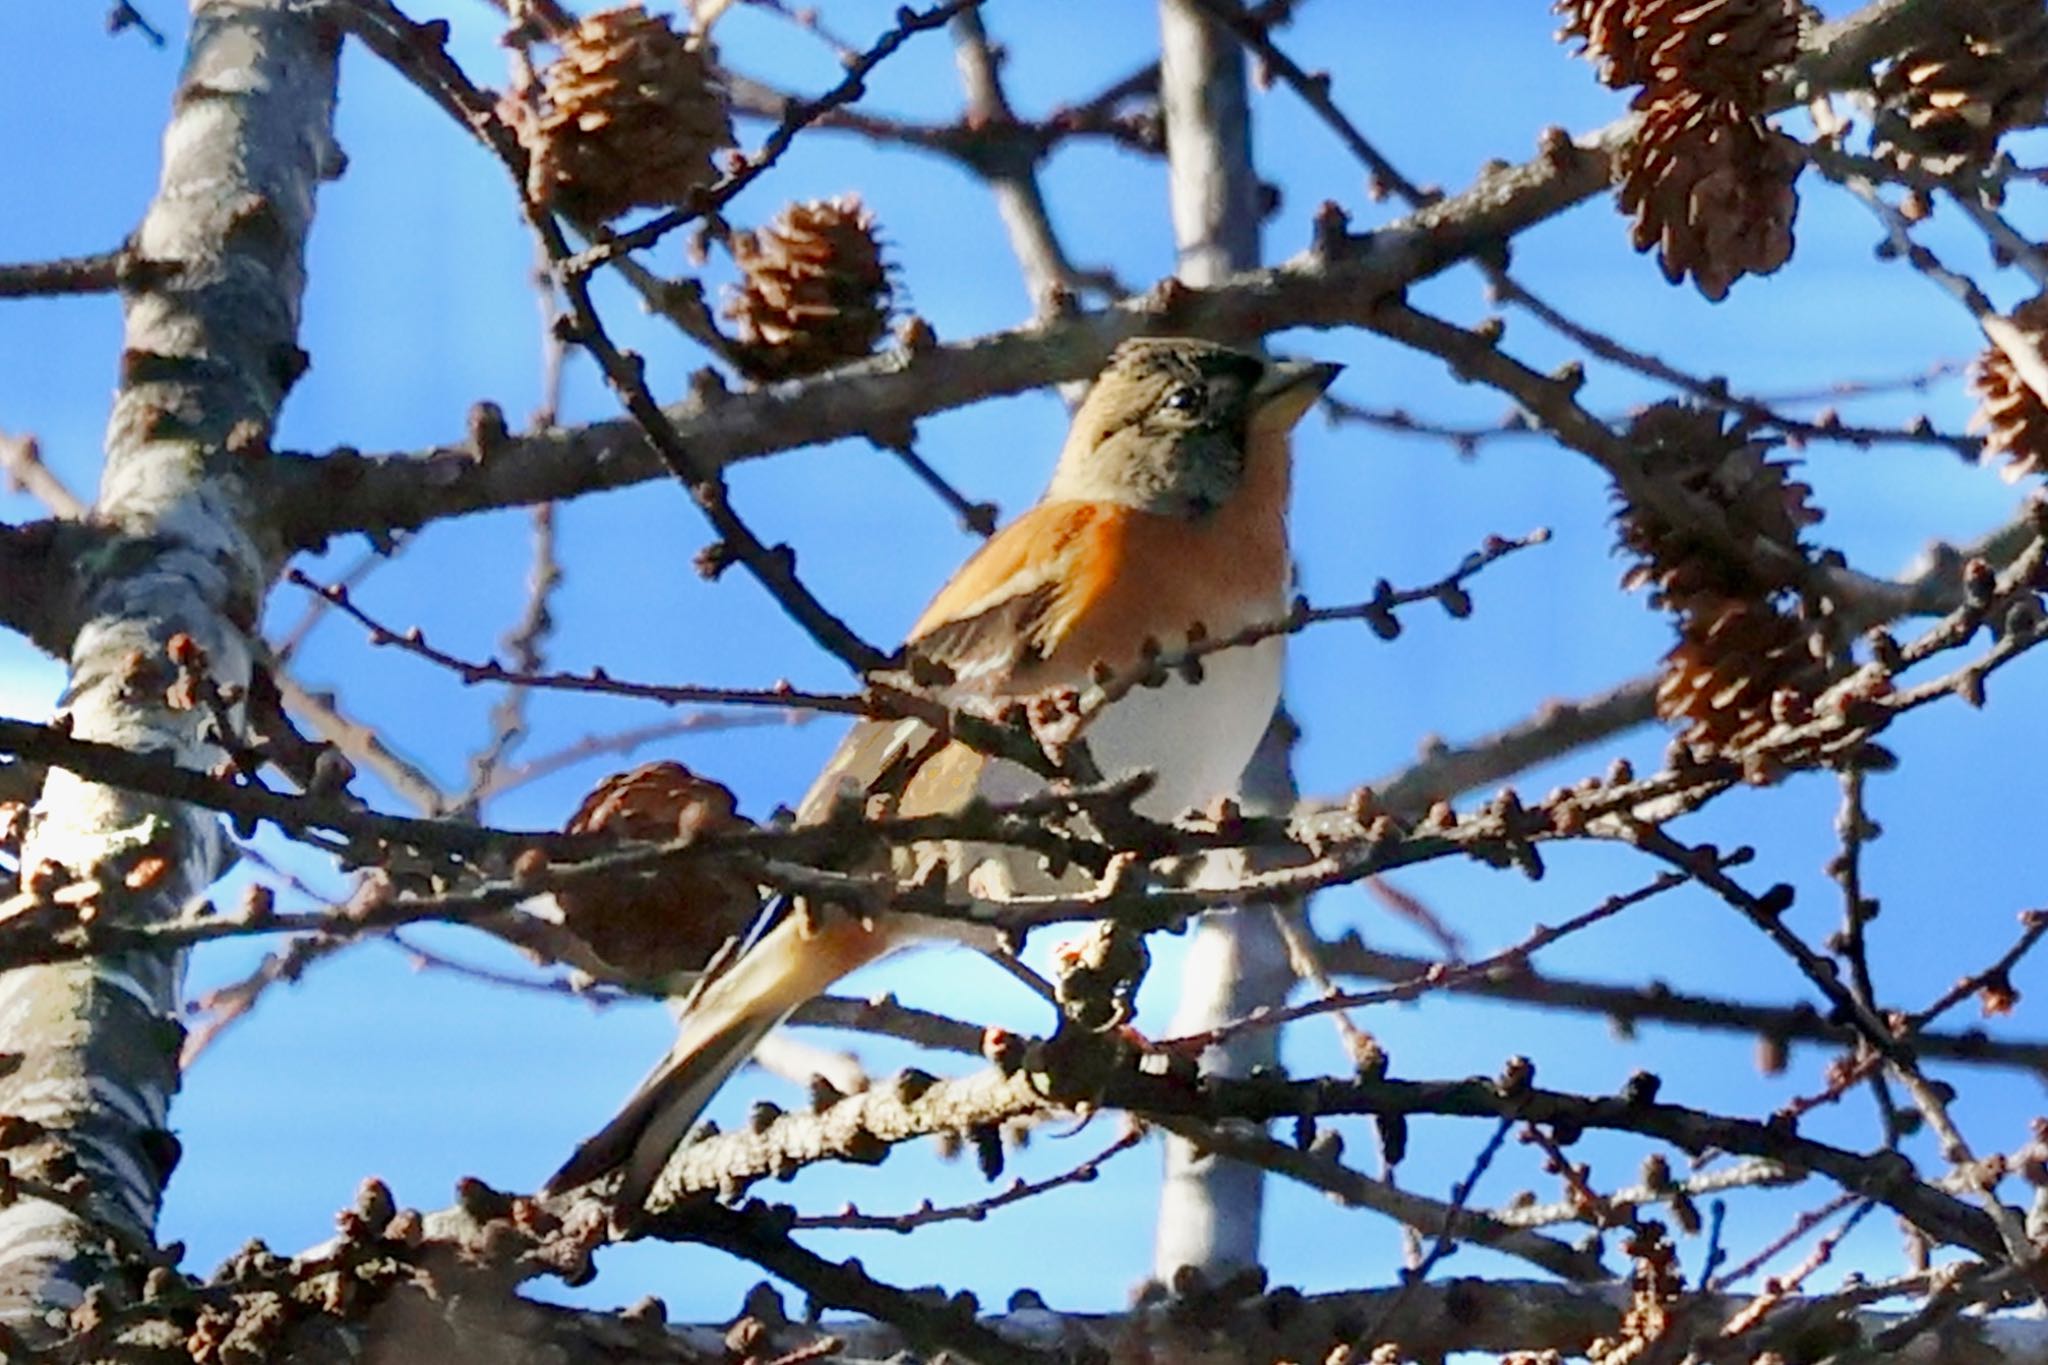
[{"x": 793, "y": 962}]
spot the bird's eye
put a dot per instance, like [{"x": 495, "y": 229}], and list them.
[{"x": 1186, "y": 398}]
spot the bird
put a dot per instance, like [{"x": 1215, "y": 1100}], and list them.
[{"x": 1165, "y": 518}]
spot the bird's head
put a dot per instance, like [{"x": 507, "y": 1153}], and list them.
[{"x": 1172, "y": 423}]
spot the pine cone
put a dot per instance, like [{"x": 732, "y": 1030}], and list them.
[
  {"x": 2012, "y": 416},
  {"x": 815, "y": 292},
  {"x": 1708, "y": 181},
  {"x": 1951, "y": 98},
  {"x": 1689, "y": 448},
  {"x": 1605, "y": 32},
  {"x": 649, "y": 924},
  {"x": 1723, "y": 48},
  {"x": 1737, "y": 650},
  {"x": 1711, "y": 189},
  {"x": 1732, "y": 660},
  {"x": 628, "y": 116}
]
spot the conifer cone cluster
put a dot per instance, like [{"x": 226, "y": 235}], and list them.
[
  {"x": 1950, "y": 98},
  {"x": 814, "y": 290},
  {"x": 1712, "y": 47},
  {"x": 1708, "y": 181},
  {"x": 657, "y": 921},
  {"x": 1738, "y": 650},
  {"x": 1733, "y": 660},
  {"x": 2011, "y": 415},
  {"x": 628, "y": 116}
]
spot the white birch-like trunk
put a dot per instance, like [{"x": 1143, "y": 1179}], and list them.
[
  {"x": 1209, "y": 1208},
  {"x": 209, "y": 351}
]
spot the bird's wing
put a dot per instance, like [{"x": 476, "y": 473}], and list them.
[{"x": 998, "y": 626}]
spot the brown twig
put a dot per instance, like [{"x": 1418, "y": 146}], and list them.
[
  {"x": 1853, "y": 828},
  {"x": 221, "y": 1008},
  {"x": 1801, "y": 1226},
  {"x": 526, "y": 647},
  {"x": 626, "y": 742},
  {"x": 978, "y": 517},
  {"x": 122, "y": 16},
  {"x": 1320, "y": 1169},
  {"x": 100, "y": 273},
  {"x": 471, "y": 672},
  {"x": 974, "y": 1211},
  {"x": 363, "y": 746},
  {"x": 1997, "y": 976},
  {"x": 970, "y": 144},
  {"x": 1628, "y": 1005},
  {"x": 759, "y": 1234},
  {"x": 1439, "y": 976},
  {"x": 909, "y": 23},
  {"x": 417, "y": 51},
  {"x": 2027, "y": 361},
  {"x": 1377, "y": 612},
  {"x": 863, "y": 1127}
]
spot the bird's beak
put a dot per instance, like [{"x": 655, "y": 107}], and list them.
[{"x": 1289, "y": 387}]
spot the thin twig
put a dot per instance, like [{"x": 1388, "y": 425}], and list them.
[
  {"x": 1440, "y": 977},
  {"x": 625, "y": 742},
  {"x": 909, "y": 23},
  {"x": 1447, "y": 1234},
  {"x": 1805, "y": 1223},
  {"x": 526, "y": 647},
  {"x": 471, "y": 672},
  {"x": 22, "y": 459},
  {"x": 927, "y": 1213}
]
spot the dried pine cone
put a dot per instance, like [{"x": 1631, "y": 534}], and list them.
[
  {"x": 1708, "y": 181},
  {"x": 2012, "y": 416},
  {"x": 1605, "y": 33},
  {"x": 1689, "y": 448},
  {"x": 1710, "y": 47},
  {"x": 658, "y": 921},
  {"x": 1737, "y": 651},
  {"x": 815, "y": 292},
  {"x": 1732, "y": 659},
  {"x": 1952, "y": 97},
  {"x": 628, "y": 116},
  {"x": 1723, "y": 48},
  {"x": 1711, "y": 189}
]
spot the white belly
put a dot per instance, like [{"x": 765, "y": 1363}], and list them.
[{"x": 1196, "y": 738}]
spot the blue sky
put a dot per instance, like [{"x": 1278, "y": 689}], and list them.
[{"x": 421, "y": 305}]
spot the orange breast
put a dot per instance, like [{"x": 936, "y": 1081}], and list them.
[
  {"x": 1149, "y": 576},
  {"x": 1117, "y": 575}
]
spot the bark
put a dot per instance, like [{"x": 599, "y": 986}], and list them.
[
  {"x": 1012, "y": 176},
  {"x": 444, "y": 1314},
  {"x": 209, "y": 353},
  {"x": 1210, "y": 1206}
]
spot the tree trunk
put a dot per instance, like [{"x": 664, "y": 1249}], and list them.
[
  {"x": 209, "y": 353},
  {"x": 1209, "y": 1208}
]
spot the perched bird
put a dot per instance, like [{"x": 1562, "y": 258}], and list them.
[{"x": 1168, "y": 509}]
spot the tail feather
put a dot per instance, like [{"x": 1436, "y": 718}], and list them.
[
  {"x": 654, "y": 1122},
  {"x": 786, "y": 967}
]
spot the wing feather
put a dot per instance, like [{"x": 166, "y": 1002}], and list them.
[{"x": 995, "y": 625}]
